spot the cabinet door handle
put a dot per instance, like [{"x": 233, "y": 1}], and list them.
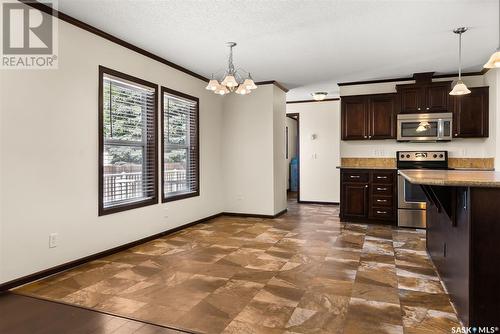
[
  {"x": 381, "y": 177},
  {"x": 382, "y": 189},
  {"x": 465, "y": 200},
  {"x": 354, "y": 176},
  {"x": 419, "y": 108},
  {"x": 382, "y": 200},
  {"x": 365, "y": 136},
  {"x": 381, "y": 212},
  {"x": 366, "y": 186},
  {"x": 427, "y": 108}
]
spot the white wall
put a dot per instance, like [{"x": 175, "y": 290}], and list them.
[
  {"x": 253, "y": 146},
  {"x": 292, "y": 145},
  {"x": 472, "y": 148},
  {"x": 279, "y": 154},
  {"x": 319, "y": 177},
  {"x": 48, "y": 138}
]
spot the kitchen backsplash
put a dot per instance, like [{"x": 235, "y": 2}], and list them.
[{"x": 483, "y": 163}]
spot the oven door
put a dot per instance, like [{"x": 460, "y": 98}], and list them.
[{"x": 410, "y": 196}]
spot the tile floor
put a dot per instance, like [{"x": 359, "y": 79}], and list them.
[{"x": 304, "y": 272}]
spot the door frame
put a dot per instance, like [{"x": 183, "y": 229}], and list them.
[{"x": 296, "y": 116}]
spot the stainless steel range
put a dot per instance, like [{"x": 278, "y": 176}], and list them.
[{"x": 411, "y": 198}]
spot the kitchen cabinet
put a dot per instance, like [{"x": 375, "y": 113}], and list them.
[
  {"x": 355, "y": 198},
  {"x": 368, "y": 117},
  {"x": 424, "y": 97},
  {"x": 470, "y": 113},
  {"x": 382, "y": 116},
  {"x": 354, "y": 116},
  {"x": 368, "y": 195}
]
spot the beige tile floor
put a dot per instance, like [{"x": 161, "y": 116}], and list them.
[{"x": 304, "y": 272}]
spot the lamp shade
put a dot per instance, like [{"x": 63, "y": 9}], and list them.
[
  {"x": 460, "y": 89},
  {"x": 249, "y": 84},
  {"x": 242, "y": 90},
  {"x": 212, "y": 85},
  {"x": 494, "y": 60},
  {"x": 229, "y": 81}
]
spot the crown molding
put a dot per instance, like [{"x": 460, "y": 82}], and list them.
[
  {"x": 439, "y": 76},
  {"x": 309, "y": 101}
]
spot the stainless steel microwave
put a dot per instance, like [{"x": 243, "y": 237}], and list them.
[{"x": 425, "y": 127}]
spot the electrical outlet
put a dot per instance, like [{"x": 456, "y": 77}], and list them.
[{"x": 53, "y": 240}]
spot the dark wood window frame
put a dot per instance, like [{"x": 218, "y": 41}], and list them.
[
  {"x": 197, "y": 159},
  {"x": 154, "y": 200}
]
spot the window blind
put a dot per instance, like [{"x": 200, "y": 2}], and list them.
[
  {"x": 128, "y": 143},
  {"x": 180, "y": 167}
]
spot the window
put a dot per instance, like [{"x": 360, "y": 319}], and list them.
[
  {"x": 180, "y": 145},
  {"x": 127, "y": 142}
]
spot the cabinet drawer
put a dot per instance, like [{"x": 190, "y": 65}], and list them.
[
  {"x": 382, "y": 213},
  {"x": 382, "y": 189},
  {"x": 378, "y": 201},
  {"x": 383, "y": 177},
  {"x": 355, "y": 176}
]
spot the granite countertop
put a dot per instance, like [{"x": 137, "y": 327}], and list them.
[
  {"x": 366, "y": 167},
  {"x": 457, "y": 178}
]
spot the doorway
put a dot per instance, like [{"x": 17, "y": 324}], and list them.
[{"x": 292, "y": 155}]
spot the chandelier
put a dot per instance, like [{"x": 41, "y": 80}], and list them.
[{"x": 233, "y": 80}]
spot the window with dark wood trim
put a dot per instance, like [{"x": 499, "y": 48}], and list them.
[
  {"x": 180, "y": 168},
  {"x": 128, "y": 148}
]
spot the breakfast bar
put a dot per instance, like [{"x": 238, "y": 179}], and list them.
[{"x": 463, "y": 238}]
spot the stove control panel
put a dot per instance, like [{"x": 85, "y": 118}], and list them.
[{"x": 422, "y": 155}]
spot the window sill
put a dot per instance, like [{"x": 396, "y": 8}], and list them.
[
  {"x": 126, "y": 207},
  {"x": 179, "y": 197}
]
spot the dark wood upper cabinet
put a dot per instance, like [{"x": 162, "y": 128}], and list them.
[
  {"x": 424, "y": 98},
  {"x": 436, "y": 97},
  {"x": 411, "y": 99},
  {"x": 354, "y": 116},
  {"x": 470, "y": 113},
  {"x": 368, "y": 117},
  {"x": 382, "y": 116}
]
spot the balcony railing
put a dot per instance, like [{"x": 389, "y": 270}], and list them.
[{"x": 128, "y": 186}]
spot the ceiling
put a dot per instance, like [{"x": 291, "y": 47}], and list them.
[{"x": 305, "y": 45}]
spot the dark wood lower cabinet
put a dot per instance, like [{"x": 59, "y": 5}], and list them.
[
  {"x": 463, "y": 242},
  {"x": 368, "y": 196}
]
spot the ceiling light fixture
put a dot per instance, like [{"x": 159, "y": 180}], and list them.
[
  {"x": 494, "y": 60},
  {"x": 233, "y": 80},
  {"x": 319, "y": 96},
  {"x": 460, "y": 88}
]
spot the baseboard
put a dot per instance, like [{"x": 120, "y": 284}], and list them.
[
  {"x": 316, "y": 202},
  {"x": 71, "y": 264},
  {"x": 253, "y": 215}
]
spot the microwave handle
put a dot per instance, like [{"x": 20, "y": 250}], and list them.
[{"x": 440, "y": 129}]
